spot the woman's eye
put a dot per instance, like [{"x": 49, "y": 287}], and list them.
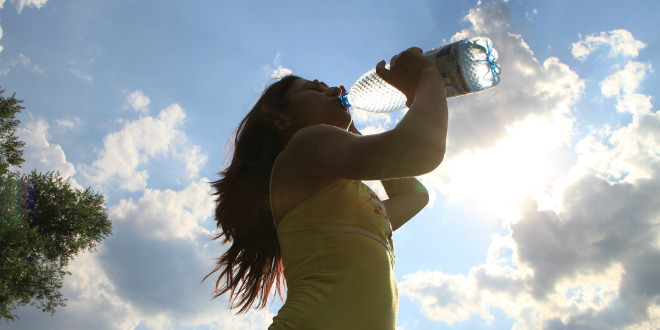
[{"x": 317, "y": 86}]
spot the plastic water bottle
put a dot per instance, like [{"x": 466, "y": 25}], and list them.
[{"x": 467, "y": 66}]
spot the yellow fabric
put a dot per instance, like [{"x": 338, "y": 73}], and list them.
[{"x": 338, "y": 258}]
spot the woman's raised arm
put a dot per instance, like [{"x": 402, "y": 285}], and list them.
[{"x": 415, "y": 146}]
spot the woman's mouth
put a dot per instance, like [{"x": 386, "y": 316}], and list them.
[{"x": 341, "y": 105}]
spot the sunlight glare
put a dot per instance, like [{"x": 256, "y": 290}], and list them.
[{"x": 520, "y": 165}]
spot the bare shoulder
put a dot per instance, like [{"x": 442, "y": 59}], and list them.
[
  {"x": 289, "y": 188},
  {"x": 317, "y": 149},
  {"x": 316, "y": 136}
]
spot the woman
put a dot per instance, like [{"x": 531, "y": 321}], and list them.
[{"x": 291, "y": 202}]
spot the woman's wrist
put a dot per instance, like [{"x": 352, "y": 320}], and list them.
[
  {"x": 430, "y": 80},
  {"x": 399, "y": 186}
]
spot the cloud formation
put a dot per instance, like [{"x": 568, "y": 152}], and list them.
[
  {"x": 21, "y": 62},
  {"x": 41, "y": 155},
  {"x": 621, "y": 43},
  {"x": 69, "y": 123},
  {"x": 591, "y": 258},
  {"x": 279, "y": 71},
  {"x": 75, "y": 69},
  {"x": 125, "y": 152},
  {"x": 20, "y": 4},
  {"x": 138, "y": 101}
]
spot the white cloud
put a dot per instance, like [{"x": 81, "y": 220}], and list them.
[
  {"x": 629, "y": 153},
  {"x": 22, "y": 61},
  {"x": 607, "y": 232},
  {"x": 498, "y": 178},
  {"x": 529, "y": 16},
  {"x": 168, "y": 214},
  {"x": 621, "y": 42},
  {"x": 137, "y": 143},
  {"x": 593, "y": 264},
  {"x": 163, "y": 234},
  {"x": 279, "y": 71},
  {"x": 447, "y": 298},
  {"x": 138, "y": 101},
  {"x": 92, "y": 301},
  {"x": 39, "y": 154},
  {"x": 93, "y": 293},
  {"x": 73, "y": 68},
  {"x": 373, "y": 122},
  {"x": 593, "y": 259},
  {"x": 68, "y": 123},
  {"x": 625, "y": 81},
  {"x": 194, "y": 160},
  {"x": 20, "y": 4}
]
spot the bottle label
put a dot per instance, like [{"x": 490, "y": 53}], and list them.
[{"x": 446, "y": 58}]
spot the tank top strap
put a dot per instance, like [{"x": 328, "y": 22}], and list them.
[{"x": 270, "y": 189}]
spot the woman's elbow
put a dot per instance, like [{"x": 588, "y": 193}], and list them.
[
  {"x": 419, "y": 156},
  {"x": 431, "y": 161},
  {"x": 423, "y": 199}
]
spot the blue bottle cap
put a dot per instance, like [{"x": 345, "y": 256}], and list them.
[{"x": 344, "y": 100}]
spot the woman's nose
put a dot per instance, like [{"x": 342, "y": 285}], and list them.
[{"x": 334, "y": 91}]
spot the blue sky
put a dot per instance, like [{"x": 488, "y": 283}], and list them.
[{"x": 544, "y": 213}]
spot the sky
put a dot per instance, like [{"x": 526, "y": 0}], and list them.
[{"x": 544, "y": 214}]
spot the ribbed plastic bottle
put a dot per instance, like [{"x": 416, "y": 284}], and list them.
[{"x": 467, "y": 66}]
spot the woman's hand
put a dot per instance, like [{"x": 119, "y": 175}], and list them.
[
  {"x": 406, "y": 197},
  {"x": 405, "y": 71}
]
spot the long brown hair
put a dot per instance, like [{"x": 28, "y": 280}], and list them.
[{"x": 253, "y": 262}]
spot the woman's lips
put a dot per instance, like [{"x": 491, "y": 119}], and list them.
[{"x": 341, "y": 105}]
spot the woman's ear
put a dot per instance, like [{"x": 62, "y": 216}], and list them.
[
  {"x": 279, "y": 119},
  {"x": 282, "y": 121}
]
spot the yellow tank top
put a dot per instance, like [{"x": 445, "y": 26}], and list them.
[{"x": 338, "y": 261}]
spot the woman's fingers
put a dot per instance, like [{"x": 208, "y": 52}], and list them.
[
  {"x": 381, "y": 71},
  {"x": 404, "y": 70}
]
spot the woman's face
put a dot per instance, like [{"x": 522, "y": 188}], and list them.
[{"x": 313, "y": 103}]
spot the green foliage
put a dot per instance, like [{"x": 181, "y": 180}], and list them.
[
  {"x": 10, "y": 146},
  {"x": 44, "y": 223},
  {"x": 25, "y": 275}
]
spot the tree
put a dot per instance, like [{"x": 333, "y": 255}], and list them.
[
  {"x": 10, "y": 146},
  {"x": 44, "y": 223}
]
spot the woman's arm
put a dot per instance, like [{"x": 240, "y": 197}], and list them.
[
  {"x": 414, "y": 147},
  {"x": 406, "y": 197}
]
